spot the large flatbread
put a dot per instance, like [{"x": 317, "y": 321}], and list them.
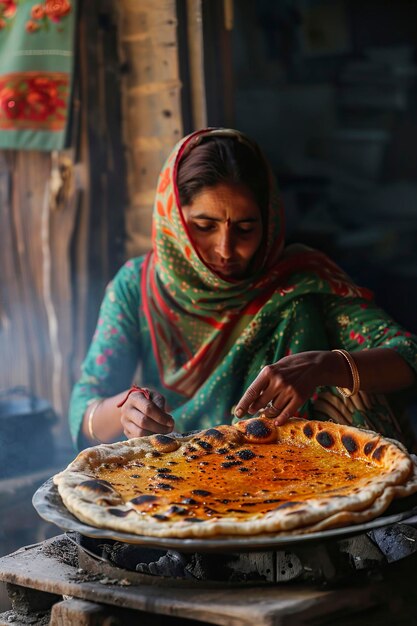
[{"x": 246, "y": 479}]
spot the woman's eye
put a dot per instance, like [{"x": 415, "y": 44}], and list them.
[
  {"x": 204, "y": 227},
  {"x": 243, "y": 230}
]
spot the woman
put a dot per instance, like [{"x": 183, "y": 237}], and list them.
[{"x": 223, "y": 320}]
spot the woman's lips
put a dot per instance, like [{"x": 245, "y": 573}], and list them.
[{"x": 225, "y": 269}]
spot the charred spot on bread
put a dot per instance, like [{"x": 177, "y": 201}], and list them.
[
  {"x": 207, "y": 446},
  {"x": 177, "y": 510},
  {"x": 350, "y": 443},
  {"x": 97, "y": 485},
  {"x": 308, "y": 431},
  {"x": 165, "y": 476},
  {"x": 325, "y": 439},
  {"x": 144, "y": 499},
  {"x": 287, "y": 505},
  {"x": 379, "y": 453},
  {"x": 229, "y": 464},
  {"x": 369, "y": 447},
  {"x": 213, "y": 433},
  {"x": 189, "y": 501},
  {"x": 164, "y": 486},
  {"x": 119, "y": 512},
  {"x": 258, "y": 430},
  {"x": 164, "y": 443},
  {"x": 245, "y": 455}
]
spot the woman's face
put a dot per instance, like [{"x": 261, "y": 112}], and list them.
[{"x": 225, "y": 225}]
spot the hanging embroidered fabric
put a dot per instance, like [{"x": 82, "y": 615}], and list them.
[{"x": 36, "y": 65}]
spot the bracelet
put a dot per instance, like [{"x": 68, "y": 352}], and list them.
[
  {"x": 91, "y": 432},
  {"x": 344, "y": 391}
]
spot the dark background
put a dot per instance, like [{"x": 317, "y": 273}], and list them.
[{"x": 329, "y": 90}]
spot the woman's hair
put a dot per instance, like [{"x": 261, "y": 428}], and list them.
[{"x": 223, "y": 160}]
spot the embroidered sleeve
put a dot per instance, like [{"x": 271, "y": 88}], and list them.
[
  {"x": 114, "y": 351},
  {"x": 356, "y": 324}
]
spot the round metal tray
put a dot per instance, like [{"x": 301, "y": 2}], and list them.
[{"x": 49, "y": 505}]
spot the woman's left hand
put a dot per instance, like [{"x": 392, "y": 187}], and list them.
[{"x": 282, "y": 387}]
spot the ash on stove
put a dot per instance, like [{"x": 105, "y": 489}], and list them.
[
  {"x": 64, "y": 550},
  {"x": 20, "y": 619},
  {"x": 326, "y": 562},
  {"x": 171, "y": 564}
]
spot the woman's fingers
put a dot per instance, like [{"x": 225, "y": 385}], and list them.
[
  {"x": 132, "y": 431},
  {"x": 285, "y": 414},
  {"x": 136, "y": 424},
  {"x": 279, "y": 390},
  {"x": 274, "y": 407},
  {"x": 147, "y": 423},
  {"x": 152, "y": 408},
  {"x": 158, "y": 399},
  {"x": 142, "y": 416},
  {"x": 252, "y": 396}
]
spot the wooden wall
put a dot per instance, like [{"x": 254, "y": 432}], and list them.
[
  {"x": 62, "y": 226},
  {"x": 69, "y": 220},
  {"x": 35, "y": 313}
]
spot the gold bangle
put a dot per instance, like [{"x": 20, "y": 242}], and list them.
[
  {"x": 90, "y": 429},
  {"x": 344, "y": 391}
]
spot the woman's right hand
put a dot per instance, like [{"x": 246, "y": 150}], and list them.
[{"x": 141, "y": 416}]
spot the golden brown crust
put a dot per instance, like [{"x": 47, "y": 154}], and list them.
[
  {"x": 164, "y": 443},
  {"x": 238, "y": 480}
]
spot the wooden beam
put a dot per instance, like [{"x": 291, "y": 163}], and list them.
[{"x": 151, "y": 105}]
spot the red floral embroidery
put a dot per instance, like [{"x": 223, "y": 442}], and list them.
[
  {"x": 55, "y": 9},
  {"x": 356, "y": 337},
  {"x": 32, "y": 27},
  {"x": 165, "y": 180},
  {"x": 170, "y": 204},
  {"x": 50, "y": 10},
  {"x": 339, "y": 288},
  {"x": 38, "y": 11},
  {"x": 8, "y": 9},
  {"x": 32, "y": 100}
]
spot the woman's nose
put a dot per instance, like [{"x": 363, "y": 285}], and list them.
[{"x": 224, "y": 244}]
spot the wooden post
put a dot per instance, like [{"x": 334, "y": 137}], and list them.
[
  {"x": 151, "y": 106},
  {"x": 75, "y": 612},
  {"x": 196, "y": 63}
]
